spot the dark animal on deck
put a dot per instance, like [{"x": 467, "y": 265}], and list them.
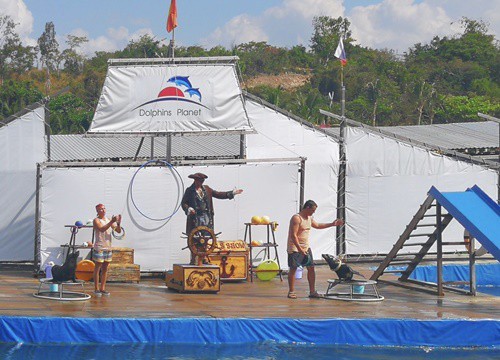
[
  {"x": 66, "y": 271},
  {"x": 343, "y": 271}
]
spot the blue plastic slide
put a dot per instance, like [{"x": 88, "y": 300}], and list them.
[{"x": 477, "y": 213}]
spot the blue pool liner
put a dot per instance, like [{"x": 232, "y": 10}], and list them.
[{"x": 366, "y": 332}]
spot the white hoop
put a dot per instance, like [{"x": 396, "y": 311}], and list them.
[{"x": 120, "y": 235}]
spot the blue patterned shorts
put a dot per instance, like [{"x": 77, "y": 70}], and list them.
[{"x": 102, "y": 256}]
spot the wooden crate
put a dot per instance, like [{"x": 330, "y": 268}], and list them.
[
  {"x": 123, "y": 255},
  {"x": 232, "y": 258},
  {"x": 124, "y": 273},
  {"x": 192, "y": 278},
  {"x": 233, "y": 266}
]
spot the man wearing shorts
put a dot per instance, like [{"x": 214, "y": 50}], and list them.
[
  {"x": 299, "y": 252},
  {"x": 102, "y": 254}
]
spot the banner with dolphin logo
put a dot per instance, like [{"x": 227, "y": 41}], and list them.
[{"x": 169, "y": 98}]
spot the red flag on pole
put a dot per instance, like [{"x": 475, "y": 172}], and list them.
[
  {"x": 340, "y": 52},
  {"x": 172, "y": 16}
]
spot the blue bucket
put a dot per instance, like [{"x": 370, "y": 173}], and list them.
[{"x": 358, "y": 289}]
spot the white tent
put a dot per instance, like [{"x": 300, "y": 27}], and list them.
[
  {"x": 148, "y": 199},
  {"x": 22, "y": 146},
  {"x": 387, "y": 179}
]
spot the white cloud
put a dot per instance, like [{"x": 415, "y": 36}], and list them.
[
  {"x": 307, "y": 9},
  {"x": 115, "y": 39},
  {"x": 393, "y": 24},
  {"x": 485, "y": 10},
  {"x": 287, "y": 25},
  {"x": 400, "y": 24},
  {"x": 240, "y": 29},
  {"x": 20, "y": 14}
]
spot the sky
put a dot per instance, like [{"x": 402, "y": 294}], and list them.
[{"x": 380, "y": 24}]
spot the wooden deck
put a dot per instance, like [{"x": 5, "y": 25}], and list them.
[{"x": 151, "y": 299}]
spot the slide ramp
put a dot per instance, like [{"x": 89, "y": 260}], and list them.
[{"x": 477, "y": 213}]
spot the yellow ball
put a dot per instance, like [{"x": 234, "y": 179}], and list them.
[
  {"x": 256, "y": 220},
  {"x": 266, "y": 220},
  {"x": 267, "y": 270}
]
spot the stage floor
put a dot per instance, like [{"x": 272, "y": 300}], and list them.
[{"x": 258, "y": 299}]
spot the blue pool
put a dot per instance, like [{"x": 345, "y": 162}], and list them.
[
  {"x": 487, "y": 276},
  {"x": 259, "y": 351}
]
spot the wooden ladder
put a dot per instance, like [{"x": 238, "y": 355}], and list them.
[{"x": 407, "y": 239}]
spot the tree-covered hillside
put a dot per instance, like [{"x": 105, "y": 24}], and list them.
[{"x": 449, "y": 79}]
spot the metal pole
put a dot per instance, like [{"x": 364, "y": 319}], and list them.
[
  {"x": 152, "y": 148},
  {"x": 242, "y": 146},
  {"x": 36, "y": 255},
  {"x": 341, "y": 246},
  {"x": 439, "y": 250},
  {"x": 472, "y": 266},
  {"x": 47, "y": 129},
  {"x": 139, "y": 148},
  {"x": 172, "y": 43},
  {"x": 302, "y": 181},
  {"x": 169, "y": 148}
]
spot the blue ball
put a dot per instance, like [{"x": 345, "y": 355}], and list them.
[{"x": 78, "y": 223}]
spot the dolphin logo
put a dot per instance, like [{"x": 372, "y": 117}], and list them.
[
  {"x": 181, "y": 81},
  {"x": 192, "y": 92},
  {"x": 178, "y": 92}
]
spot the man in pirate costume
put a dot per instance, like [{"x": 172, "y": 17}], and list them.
[{"x": 198, "y": 205}]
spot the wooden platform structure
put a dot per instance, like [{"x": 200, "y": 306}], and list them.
[{"x": 259, "y": 299}]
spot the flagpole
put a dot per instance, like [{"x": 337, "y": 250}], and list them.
[
  {"x": 172, "y": 43},
  {"x": 341, "y": 245},
  {"x": 172, "y": 24}
]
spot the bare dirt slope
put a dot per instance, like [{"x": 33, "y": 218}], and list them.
[{"x": 285, "y": 81}]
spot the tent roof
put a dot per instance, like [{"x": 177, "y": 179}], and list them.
[
  {"x": 475, "y": 138},
  {"x": 456, "y": 136},
  {"x": 81, "y": 148}
]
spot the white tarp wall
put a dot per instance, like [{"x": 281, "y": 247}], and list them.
[
  {"x": 22, "y": 146},
  {"x": 388, "y": 180},
  {"x": 70, "y": 194},
  {"x": 280, "y": 136},
  {"x": 170, "y": 98}
]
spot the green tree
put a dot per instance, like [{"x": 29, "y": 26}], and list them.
[
  {"x": 463, "y": 108},
  {"x": 14, "y": 57},
  {"x": 49, "y": 47},
  {"x": 15, "y": 95},
  {"x": 326, "y": 36},
  {"x": 69, "y": 115},
  {"x": 73, "y": 61},
  {"x": 49, "y": 52},
  {"x": 145, "y": 47}
]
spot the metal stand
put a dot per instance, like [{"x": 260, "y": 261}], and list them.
[
  {"x": 361, "y": 295},
  {"x": 61, "y": 295},
  {"x": 72, "y": 240},
  {"x": 267, "y": 246}
]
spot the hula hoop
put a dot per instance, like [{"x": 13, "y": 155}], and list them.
[
  {"x": 120, "y": 235},
  {"x": 179, "y": 196}
]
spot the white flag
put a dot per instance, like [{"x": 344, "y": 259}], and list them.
[{"x": 340, "y": 52}]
